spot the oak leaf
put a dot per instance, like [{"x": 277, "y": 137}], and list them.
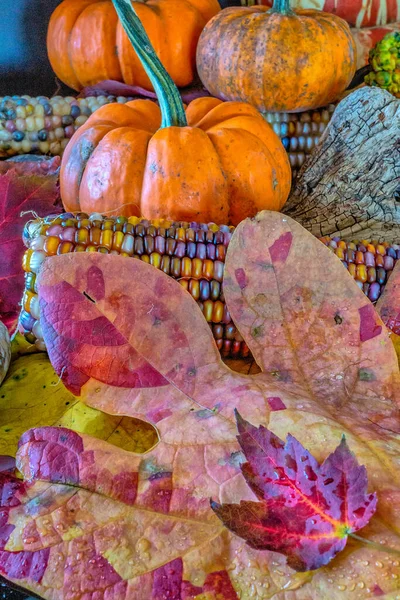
[
  {"x": 130, "y": 341},
  {"x": 305, "y": 510}
]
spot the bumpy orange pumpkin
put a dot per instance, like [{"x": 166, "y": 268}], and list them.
[
  {"x": 217, "y": 161},
  {"x": 276, "y": 59},
  {"x": 86, "y": 43}
]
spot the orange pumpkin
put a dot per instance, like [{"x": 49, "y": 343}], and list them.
[
  {"x": 276, "y": 59},
  {"x": 216, "y": 161},
  {"x": 86, "y": 43}
]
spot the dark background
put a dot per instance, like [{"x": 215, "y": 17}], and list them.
[{"x": 24, "y": 66}]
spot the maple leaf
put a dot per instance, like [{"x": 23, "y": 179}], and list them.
[
  {"x": 24, "y": 186},
  {"x": 306, "y": 510},
  {"x": 128, "y": 340}
]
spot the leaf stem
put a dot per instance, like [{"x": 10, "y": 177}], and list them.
[
  {"x": 375, "y": 545},
  {"x": 172, "y": 110}
]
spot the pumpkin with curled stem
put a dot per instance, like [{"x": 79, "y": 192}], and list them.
[
  {"x": 86, "y": 43},
  {"x": 277, "y": 59},
  {"x": 216, "y": 161}
]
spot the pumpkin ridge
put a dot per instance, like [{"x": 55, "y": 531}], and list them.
[
  {"x": 131, "y": 67},
  {"x": 75, "y": 161},
  {"x": 58, "y": 35},
  {"x": 202, "y": 8},
  {"x": 111, "y": 166},
  {"x": 92, "y": 35},
  {"x": 279, "y": 191},
  {"x": 69, "y": 47},
  {"x": 246, "y": 202},
  {"x": 171, "y": 185}
]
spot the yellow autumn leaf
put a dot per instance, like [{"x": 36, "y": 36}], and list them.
[
  {"x": 396, "y": 343},
  {"x": 33, "y": 396},
  {"x": 20, "y": 346}
]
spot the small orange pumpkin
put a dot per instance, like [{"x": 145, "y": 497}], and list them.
[
  {"x": 217, "y": 161},
  {"x": 277, "y": 59},
  {"x": 86, "y": 43}
]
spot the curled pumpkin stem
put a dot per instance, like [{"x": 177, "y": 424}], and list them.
[{"x": 172, "y": 110}]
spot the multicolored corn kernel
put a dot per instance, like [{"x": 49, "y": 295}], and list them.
[
  {"x": 192, "y": 253},
  {"x": 384, "y": 59},
  {"x": 369, "y": 262},
  {"x": 300, "y": 132},
  {"x": 44, "y": 125}
]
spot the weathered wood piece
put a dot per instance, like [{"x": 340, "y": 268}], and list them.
[
  {"x": 5, "y": 351},
  {"x": 350, "y": 184}
]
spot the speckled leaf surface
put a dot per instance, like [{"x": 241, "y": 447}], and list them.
[
  {"x": 25, "y": 186},
  {"x": 388, "y": 305},
  {"x": 329, "y": 369},
  {"x": 32, "y": 395}
]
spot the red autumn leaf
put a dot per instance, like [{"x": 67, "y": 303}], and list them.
[
  {"x": 24, "y": 186},
  {"x": 329, "y": 368},
  {"x": 28, "y": 164},
  {"x": 305, "y": 510},
  {"x": 109, "y": 87},
  {"x": 388, "y": 305}
]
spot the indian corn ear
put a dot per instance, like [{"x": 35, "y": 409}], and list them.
[
  {"x": 300, "y": 132},
  {"x": 192, "y": 253},
  {"x": 369, "y": 262},
  {"x": 44, "y": 125}
]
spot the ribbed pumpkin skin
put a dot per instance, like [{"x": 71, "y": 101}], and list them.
[
  {"x": 227, "y": 164},
  {"x": 86, "y": 43},
  {"x": 276, "y": 62}
]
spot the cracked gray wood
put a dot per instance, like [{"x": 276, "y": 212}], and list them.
[{"x": 350, "y": 184}]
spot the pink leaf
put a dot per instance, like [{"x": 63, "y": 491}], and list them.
[{"x": 21, "y": 190}]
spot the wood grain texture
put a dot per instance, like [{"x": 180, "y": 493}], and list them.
[{"x": 350, "y": 185}]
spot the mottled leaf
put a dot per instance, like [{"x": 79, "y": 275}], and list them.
[
  {"x": 102, "y": 345},
  {"x": 27, "y": 186},
  {"x": 306, "y": 325},
  {"x": 305, "y": 510},
  {"x": 25, "y": 165},
  {"x": 329, "y": 369},
  {"x": 388, "y": 305},
  {"x": 115, "y": 541},
  {"x": 32, "y": 395}
]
